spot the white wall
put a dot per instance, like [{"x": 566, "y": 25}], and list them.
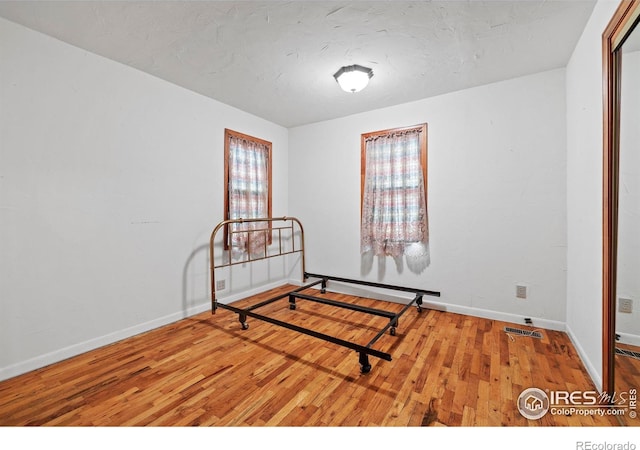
[
  {"x": 584, "y": 191},
  {"x": 628, "y": 287},
  {"x": 496, "y": 200},
  {"x": 110, "y": 184}
]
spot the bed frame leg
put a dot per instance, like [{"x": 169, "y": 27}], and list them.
[
  {"x": 323, "y": 287},
  {"x": 363, "y": 359},
  {"x": 394, "y": 324},
  {"x": 243, "y": 321},
  {"x": 292, "y": 302},
  {"x": 419, "y": 303}
]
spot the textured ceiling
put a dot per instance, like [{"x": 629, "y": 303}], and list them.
[{"x": 276, "y": 59}]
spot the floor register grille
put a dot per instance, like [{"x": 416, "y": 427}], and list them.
[{"x": 518, "y": 331}]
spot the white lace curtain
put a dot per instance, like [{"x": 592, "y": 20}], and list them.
[
  {"x": 394, "y": 210},
  {"x": 248, "y": 193}
]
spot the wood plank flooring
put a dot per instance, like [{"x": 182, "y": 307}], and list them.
[{"x": 447, "y": 369}]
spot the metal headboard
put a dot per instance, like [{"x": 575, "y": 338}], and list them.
[{"x": 274, "y": 230}]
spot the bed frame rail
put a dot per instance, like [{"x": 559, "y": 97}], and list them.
[{"x": 294, "y": 226}]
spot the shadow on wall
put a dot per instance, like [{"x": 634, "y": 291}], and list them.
[
  {"x": 277, "y": 260},
  {"x": 195, "y": 281},
  {"x": 417, "y": 258}
]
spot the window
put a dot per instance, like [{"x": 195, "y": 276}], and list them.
[
  {"x": 394, "y": 195},
  {"x": 247, "y": 174}
]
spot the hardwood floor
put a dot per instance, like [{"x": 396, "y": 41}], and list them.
[{"x": 447, "y": 369}]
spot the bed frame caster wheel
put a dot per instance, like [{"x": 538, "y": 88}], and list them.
[
  {"x": 245, "y": 326},
  {"x": 392, "y": 331},
  {"x": 365, "y": 367},
  {"x": 292, "y": 306}
]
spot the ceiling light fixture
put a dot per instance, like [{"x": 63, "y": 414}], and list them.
[{"x": 353, "y": 78}]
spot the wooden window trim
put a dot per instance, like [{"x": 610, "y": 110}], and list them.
[{"x": 228, "y": 133}]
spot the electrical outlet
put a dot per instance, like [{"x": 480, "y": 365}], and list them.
[
  {"x": 625, "y": 305},
  {"x": 220, "y": 285},
  {"x": 521, "y": 291}
]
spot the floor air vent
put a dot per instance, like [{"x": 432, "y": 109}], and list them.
[
  {"x": 623, "y": 352},
  {"x": 518, "y": 331}
]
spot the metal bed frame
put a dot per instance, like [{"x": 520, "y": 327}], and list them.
[{"x": 293, "y": 226}]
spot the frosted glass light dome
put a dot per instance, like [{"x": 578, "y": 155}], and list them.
[{"x": 353, "y": 78}]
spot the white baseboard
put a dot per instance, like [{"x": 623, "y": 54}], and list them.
[
  {"x": 440, "y": 306},
  {"x": 91, "y": 344},
  {"x": 627, "y": 338},
  {"x": 253, "y": 291},
  {"x": 76, "y": 349},
  {"x": 588, "y": 364}
]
